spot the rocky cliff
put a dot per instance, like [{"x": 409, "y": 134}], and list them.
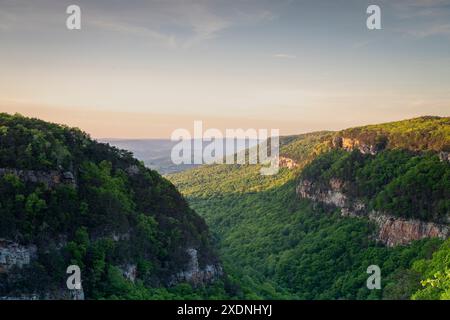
[
  {"x": 364, "y": 147},
  {"x": 196, "y": 275},
  {"x": 285, "y": 162},
  {"x": 13, "y": 254},
  {"x": 50, "y": 178},
  {"x": 391, "y": 230}
]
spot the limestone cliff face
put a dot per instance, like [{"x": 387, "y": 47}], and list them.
[
  {"x": 392, "y": 230},
  {"x": 395, "y": 231},
  {"x": 196, "y": 275},
  {"x": 129, "y": 271},
  {"x": 48, "y": 178},
  {"x": 350, "y": 144},
  {"x": 444, "y": 156},
  {"x": 13, "y": 255},
  {"x": 332, "y": 196},
  {"x": 285, "y": 162}
]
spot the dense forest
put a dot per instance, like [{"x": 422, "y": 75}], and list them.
[
  {"x": 280, "y": 246},
  {"x": 418, "y": 134},
  {"x": 397, "y": 182},
  {"x": 86, "y": 203}
]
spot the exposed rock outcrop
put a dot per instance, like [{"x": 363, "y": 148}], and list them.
[
  {"x": 13, "y": 254},
  {"x": 333, "y": 196},
  {"x": 392, "y": 230},
  {"x": 129, "y": 271},
  {"x": 285, "y": 162},
  {"x": 196, "y": 275},
  {"x": 444, "y": 156},
  {"x": 364, "y": 147},
  {"x": 396, "y": 231},
  {"x": 337, "y": 142},
  {"x": 132, "y": 170},
  {"x": 49, "y": 178}
]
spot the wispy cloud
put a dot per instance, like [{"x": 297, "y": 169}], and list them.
[
  {"x": 172, "y": 23},
  {"x": 168, "y": 40},
  {"x": 432, "y": 30},
  {"x": 420, "y": 18},
  {"x": 180, "y": 24},
  {"x": 284, "y": 56}
]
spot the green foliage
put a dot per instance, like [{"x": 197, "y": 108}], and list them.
[
  {"x": 280, "y": 247},
  {"x": 104, "y": 220},
  {"x": 398, "y": 182},
  {"x": 274, "y": 246},
  {"x": 305, "y": 147},
  {"x": 435, "y": 273},
  {"x": 419, "y": 134}
]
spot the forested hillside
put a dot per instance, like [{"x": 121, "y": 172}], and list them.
[
  {"x": 66, "y": 199},
  {"x": 281, "y": 246},
  {"x": 397, "y": 182},
  {"x": 418, "y": 134}
]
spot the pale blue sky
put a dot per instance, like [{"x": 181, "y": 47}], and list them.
[{"x": 293, "y": 65}]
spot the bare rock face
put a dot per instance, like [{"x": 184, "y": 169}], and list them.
[
  {"x": 333, "y": 196},
  {"x": 337, "y": 142},
  {"x": 444, "y": 156},
  {"x": 285, "y": 162},
  {"x": 350, "y": 144},
  {"x": 392, "y": 230},
  {"x": 194, "y": 274},
  {"x": 13, "y": 254},
  {"x": 49, "y": 178},
  {"x": 365, "y": 147},
  {"x": 129, "y": 271},
  {"x": 132, "y": 170},
  {"x": 395, "y": 231}
]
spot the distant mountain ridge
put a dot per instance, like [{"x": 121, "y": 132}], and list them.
[{"x": 156, "y": 153}]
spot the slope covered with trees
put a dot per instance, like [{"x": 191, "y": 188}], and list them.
[
  {"x": 435, "y": 274},
  {"x": 418, "y": 134},
  {"x": 280, "y": 246},
  {"x": 398, "y": 182},
  {"x": 86, "y": 203}
]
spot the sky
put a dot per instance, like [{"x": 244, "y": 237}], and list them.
[{"x": 141, "y": 69}]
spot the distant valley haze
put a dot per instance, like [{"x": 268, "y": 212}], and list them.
[{"x": 156, "y": 153}]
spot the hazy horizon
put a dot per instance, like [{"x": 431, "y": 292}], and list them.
[{"x": 189, "y": 126}]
